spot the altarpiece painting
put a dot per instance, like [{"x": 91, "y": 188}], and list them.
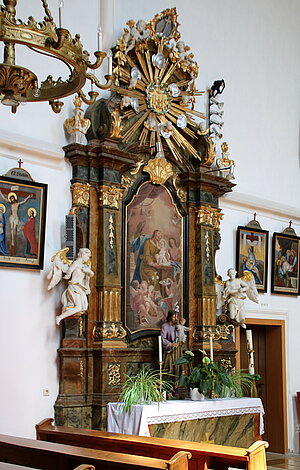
[{"x": 153, "y": 258}]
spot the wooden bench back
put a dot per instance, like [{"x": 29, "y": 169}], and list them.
[
  {"x": 204, "y": 456},
  {"x": 51, "y": 456}
]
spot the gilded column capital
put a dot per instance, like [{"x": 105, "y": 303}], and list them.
[
  {"x": 80, "y": 194},
  {"x": 208, "y": 215},
  {"x": 110, "y": 196}
]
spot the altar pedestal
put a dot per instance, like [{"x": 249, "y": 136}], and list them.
[{"x": 231, "y": 421}]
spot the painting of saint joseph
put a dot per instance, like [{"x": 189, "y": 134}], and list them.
[{"x": 154, "y": 258}]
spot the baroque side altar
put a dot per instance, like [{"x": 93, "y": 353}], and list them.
[{"x": 147, "y": 206}]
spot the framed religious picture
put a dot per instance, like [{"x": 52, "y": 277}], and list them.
[
  {"x": 252, "y": 254},
  {"x": 285, "y": 264},
  {"x": 22, "y": 223},
  {"x": 154, "y": 259}
]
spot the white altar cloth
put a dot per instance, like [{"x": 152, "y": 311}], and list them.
[{"x": 137, "y": 420}]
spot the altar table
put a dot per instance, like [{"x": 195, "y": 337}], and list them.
[{"x": 235, "y": 421}]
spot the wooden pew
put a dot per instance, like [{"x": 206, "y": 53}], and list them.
[
  {"x": 10, "y": 466},
  {"x": 204, "y": 456},
  {"x": 51, "y": 456}
]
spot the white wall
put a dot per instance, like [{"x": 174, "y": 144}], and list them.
[{"x": 254, "y": 47}]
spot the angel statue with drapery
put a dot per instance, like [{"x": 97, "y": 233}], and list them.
[
  {"x": 232, "y": 293},
  {"x": 78, "y": 273}
]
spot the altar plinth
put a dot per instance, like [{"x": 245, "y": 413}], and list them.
[{"x": 237, "y": 422}]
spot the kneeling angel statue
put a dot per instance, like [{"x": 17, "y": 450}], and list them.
[
  {"x": 78, "y": 273},
  {"x": 235, "y": 291}
]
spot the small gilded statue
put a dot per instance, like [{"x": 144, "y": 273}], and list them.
[{"x": 78, "y": 274}]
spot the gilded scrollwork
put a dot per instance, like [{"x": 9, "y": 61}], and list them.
[
  {"x": 114, "y": 373},
  {"x": 109, "y": 330},
  {"x": 130, "y": 176},
  {"x": 80, "y": 194},
  {"x": 110, "y": 196},
  {"x": 208, "y": 215},
  {"x": 117, "y": 127},
  {"x": 180, "y": 192},
  {"x": 216, "y": 332}
]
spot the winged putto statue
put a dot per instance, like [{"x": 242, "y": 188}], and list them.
[
  {"x": 232, "y": 293},
  {"x": 78, "y": 273}
]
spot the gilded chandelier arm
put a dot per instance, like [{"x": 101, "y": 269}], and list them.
[
  {"x": 62, "y": 35},
  {"x": 92, "y": 94},
  {"x": 99, "y": 59},
  {"x": 94, "y": 79}
]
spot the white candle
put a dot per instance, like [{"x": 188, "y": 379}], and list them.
[
  {"x": 61, "y": 4},
  {"x": 100, "y": 38},
  {"x": 211, "y": 348},
  {"x": 160, "y": 357},
  {"x": 250, "y": 351},
  {"x": 110, "y": 64}
]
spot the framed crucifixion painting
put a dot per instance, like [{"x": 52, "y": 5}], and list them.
[
  {"x": 22, "y": 223},
  {"x": 154, "y": 258}
]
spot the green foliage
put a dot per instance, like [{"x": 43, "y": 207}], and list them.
[
  {"x": 213, "y": 379},
  {"x": 144, "y": 387}
]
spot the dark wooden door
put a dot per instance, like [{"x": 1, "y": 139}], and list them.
[{"x": 268, "y": 345}]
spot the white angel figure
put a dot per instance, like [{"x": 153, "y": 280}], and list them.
[
  {"x": 235, "y": 292},
  {"x": 78, "y": 273}
]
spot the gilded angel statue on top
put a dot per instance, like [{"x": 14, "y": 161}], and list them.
[
  {"x": 233, "y": 292},
  {"x": 78, "y": 273}
]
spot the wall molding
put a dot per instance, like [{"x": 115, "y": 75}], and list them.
[
  {"x": 248, "y": 202},
  {"x": 13, "y": 146}
]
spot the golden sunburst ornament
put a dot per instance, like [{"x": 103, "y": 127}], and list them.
[{"x": 155, "y": 76}]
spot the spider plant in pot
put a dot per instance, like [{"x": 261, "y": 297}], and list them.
[{"x": 147, "y": 386}]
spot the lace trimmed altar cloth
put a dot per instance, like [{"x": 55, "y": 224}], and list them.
[{"x": 137, "y": 421}]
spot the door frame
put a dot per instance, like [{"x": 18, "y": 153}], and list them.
[{"x": 282, "y": 325}]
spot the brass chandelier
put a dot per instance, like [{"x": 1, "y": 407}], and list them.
[{"x": 18, "y": 83}]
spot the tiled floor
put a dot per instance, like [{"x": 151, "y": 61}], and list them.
[{"x": 288, "y": 461}]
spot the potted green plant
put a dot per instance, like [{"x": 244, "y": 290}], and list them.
[
  {"x": 212, "y": 379},
  {"x": 147, "y": 386}
]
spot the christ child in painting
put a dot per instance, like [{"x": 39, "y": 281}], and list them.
[{"x": 163, "y": 257}]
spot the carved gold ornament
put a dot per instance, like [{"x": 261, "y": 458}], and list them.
[
  {"x": 155, "y": 79},
  {"x": 109, "y": 330},
  {"x": 110, "y": 196},
  {"x": 117, "y": 127},
  {"x": 80, "y": 194},
  {"x": 209, "y": 215},
  {"x": 207, "y": 245},
  {"x": 111, "y": 231},
  {"x": 159, "y": 169},
  {"x": 180, "y": 192},
  {"x": 211, "y": 153},
  {"x": 114, "y": 374}
]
